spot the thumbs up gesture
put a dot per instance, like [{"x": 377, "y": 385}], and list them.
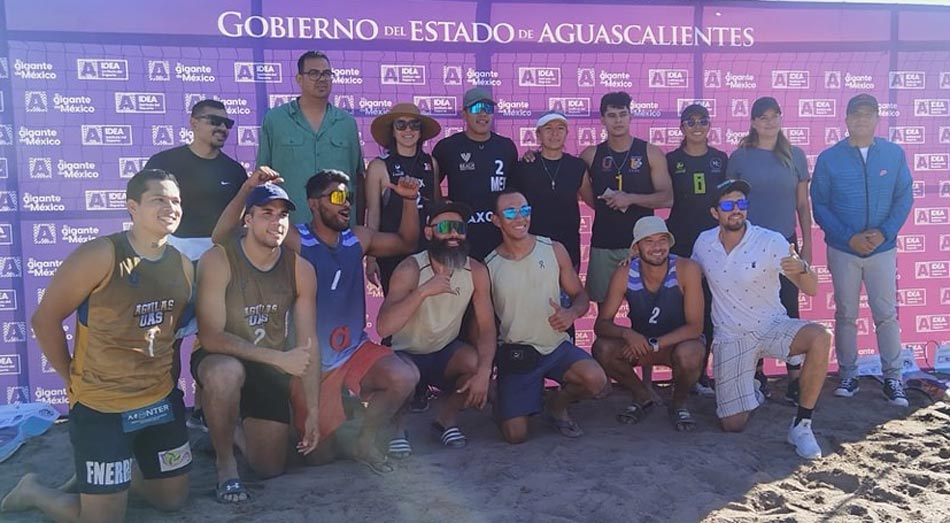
[
  {"x": 562, "y": 318},
  {"x": 793, "y": 264}
]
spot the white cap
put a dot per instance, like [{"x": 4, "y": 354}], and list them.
[
  {"x": 650, "y": 225},
  {"x": 550, "y": 117}
]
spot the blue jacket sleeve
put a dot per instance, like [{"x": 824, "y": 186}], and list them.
[
  {"x": 901, "y": 203},
  {"x": 821, "y": 204}
]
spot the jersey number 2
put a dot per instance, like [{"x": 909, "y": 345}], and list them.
[{"x": 654, "y": 316}]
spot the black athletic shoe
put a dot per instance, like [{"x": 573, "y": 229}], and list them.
[
  {"x": 420, "y": 400},
  {"x": 792, "y": 393},
  {"x": 763, "y": 385}
]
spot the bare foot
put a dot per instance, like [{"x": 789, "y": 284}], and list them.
[
  {"x": 370, "y": 456},
  {"x": 18, "y": 498}
]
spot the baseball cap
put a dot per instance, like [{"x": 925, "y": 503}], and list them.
[
  {"x": 267, "y": 193},
  {"x": 862, "y": 99},
  {"x": 550, "y": 117},
  {"x": 449, "y": 206},
  {"x": 694, "y": 110},
  {"x": 729, "y": 186},
  {"x": 475, "y": 95},
  {"x": 650, "y": 225},
  {"x": 764, "y": 104}
]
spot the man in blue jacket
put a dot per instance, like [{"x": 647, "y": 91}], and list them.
[{"x": 861, "y": 195}]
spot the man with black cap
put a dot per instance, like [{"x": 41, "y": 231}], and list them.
[
  {"x": 477, "y": 163},
  {"x": 665, "y": 296},
  {"x": 742, "y": 262},
  {"x": 249, "y": 286},
  {"x": 401, "y": 132},
  {"x": 862, "y": 193},
  {"x": 423, "y": 311}
]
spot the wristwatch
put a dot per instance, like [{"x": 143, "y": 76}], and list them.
[{"x": 655, "y": 343}]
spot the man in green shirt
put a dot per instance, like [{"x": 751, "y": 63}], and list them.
[{"x": 309, "y": 134}]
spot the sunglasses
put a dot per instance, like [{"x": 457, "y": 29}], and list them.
[
  {"x": 511, "y": 213},
  {"x": 702, "y": 122},
  {"x": 315, "y": 74},
  {"x": 481, "y": 107},
  {"x": 729, "y": 205},
  {"x": 449, "y": 226},
  {"x": 402, "y": 125},
  {"x": 216, "y": 120},
  {"x": 338, "y": 197}
]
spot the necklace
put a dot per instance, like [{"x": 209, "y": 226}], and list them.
[
  {"x": 556, "y": 170},
  {"x": 620, "y": 165}
]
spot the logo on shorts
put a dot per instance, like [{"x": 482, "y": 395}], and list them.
[{"x": 109, "y": 473}]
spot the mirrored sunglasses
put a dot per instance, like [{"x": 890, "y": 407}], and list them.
[
  {"x": 729, "y": 205},
  {"x": 481, "y": 107},
  {"x": 449, "y": 226},
  {"x": 511, "y": 213}
]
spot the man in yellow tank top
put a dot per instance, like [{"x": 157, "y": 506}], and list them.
[
  {"x": 527, "y": 275},
  {"x": 423, "y": 312},
  {"x": 126, "y": 418}
]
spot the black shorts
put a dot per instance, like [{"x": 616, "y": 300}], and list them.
[
  {"x": 104, "y": 451},
  {"x": 266, "y": 391}
]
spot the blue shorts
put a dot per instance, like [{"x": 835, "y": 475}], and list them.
[
  {"x": 432, "y": 366},
  {"x": 521, "y": 394}
]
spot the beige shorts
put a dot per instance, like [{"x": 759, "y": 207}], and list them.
[
  {"x": 734, "y": 363},
  {"x": 600, "y": 268}
]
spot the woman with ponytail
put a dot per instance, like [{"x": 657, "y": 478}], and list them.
[{"x": 778, "y": 174}]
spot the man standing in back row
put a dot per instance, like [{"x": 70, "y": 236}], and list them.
[
  {"x": 862, "y": 193},
  {"x": 477, "y": 163}
]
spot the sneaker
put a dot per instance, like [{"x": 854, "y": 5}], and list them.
[
  {"x": 763, "y": 384},
  {"x": 197, "y": 421},
  {"x": 804, "y": 440},
  {"x": 894, "y": 392},
  {"x": 792, "y": 393},
  {"x": 847, "y": 387},
  {"x": 420, "y": 400}
]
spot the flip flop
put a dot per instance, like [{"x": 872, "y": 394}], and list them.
[
  {"x": 399, "y": 447},
  {"x": 635, "y": 413},
  {"x": 231, "y": 487},
  {"x": 381, "y": 467},
  {"x": 682, "y": 420},
  {"x": 566, "y": 427},
  {"x": 449, "y": 436},
  {"x": 21, "y": 422}
]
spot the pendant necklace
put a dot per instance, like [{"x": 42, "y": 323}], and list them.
[
  {"x": 556, "y": 170},
  {"x": 620, "y": 166}
]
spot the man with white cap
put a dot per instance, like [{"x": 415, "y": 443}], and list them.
[
  {"x": 742, "y": 262},
  {"x": 553, "y": 182},
  {"x": 665, "y": 296},
  {"x": 477, "y": 163}
]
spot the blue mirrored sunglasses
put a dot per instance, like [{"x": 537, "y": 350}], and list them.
[
  {"x": 511, "y": 213},
  {"x": 481, "y": 107},
  {"x": 729, "y": 205}
]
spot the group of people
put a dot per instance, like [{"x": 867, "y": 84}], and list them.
[{"x": 481, "y": 287}]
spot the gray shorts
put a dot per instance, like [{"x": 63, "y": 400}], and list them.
[{"x": 600, "y": 268}]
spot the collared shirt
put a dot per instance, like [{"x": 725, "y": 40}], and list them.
[
  {"x": 744, "y": 282},
  {"x": 289, "y": 145}
]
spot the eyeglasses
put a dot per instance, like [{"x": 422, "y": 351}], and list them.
[
  {"x": 729, "y": 205},
  {"x": 402, "y": 125},
  {"x": 511, "y": 213},
  {"x": 481, "y": 107},
  {"x": 702, "y": 122},
  {"x": 338, "y": 197},
  {"x": 316, "y": 74},
  {"x": 449, "y": 226},
  {"x": 215, "y": 120}
]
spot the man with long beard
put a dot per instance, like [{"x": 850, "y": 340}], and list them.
[{"x": 428, "y": 296}]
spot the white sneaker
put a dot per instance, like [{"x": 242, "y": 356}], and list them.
[{"x": 804, "y": 440}]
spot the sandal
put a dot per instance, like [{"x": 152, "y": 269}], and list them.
[
  {"x": 635, "y": 413},
  {"x": 379, "y": 466},
  {"x": 682, "y": 420},
  {"x": 399, "y": 447},
  {"x": 566, "y": 427},
  {"x": 449, "y": 436},
  {"x": 233, "y": 489}
]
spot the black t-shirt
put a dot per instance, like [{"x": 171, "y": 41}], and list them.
[
  {"x": 694, "y": 190},
  {"x": 476, "y": 171},
  {"x": 614, "y": 229},
  {"x": 206, "y": 187},
  {"x": 550, "y": 187}
]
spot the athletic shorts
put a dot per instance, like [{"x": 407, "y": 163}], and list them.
[
  {"x": 522, "y": 394},
  {"x": 734, "y": 362},
  {"x": 104, "y": 444},
  {"x": 266, "y": 391},
  {"x": 432, "y": 366},
  {"x": 348, "y": 375},
  {"x": 600, "y": 268}
]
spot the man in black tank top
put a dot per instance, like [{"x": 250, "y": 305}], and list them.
[
  {"x": 248, "y": 289},
  {"x": 477, "y": 163},
  {"x": 665, "y": 297},
  {"x": 629, "y": 179},
  {"x": 401, "y": 132}
]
